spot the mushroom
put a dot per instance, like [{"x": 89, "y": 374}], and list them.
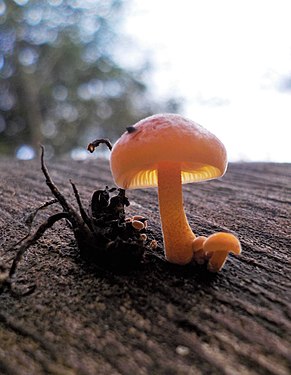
[
  {"x": 217, "y": 247},
  {"x": 198, "y": 251},
  {"x": 168, "y": 150}
]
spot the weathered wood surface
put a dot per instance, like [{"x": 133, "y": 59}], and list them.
[{"x": 160, "y": 319}]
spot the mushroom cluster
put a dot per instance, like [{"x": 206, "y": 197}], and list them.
[{"x": 166, "y": 151}]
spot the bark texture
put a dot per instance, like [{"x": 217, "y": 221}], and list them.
[{"x": 161, "y": 318}]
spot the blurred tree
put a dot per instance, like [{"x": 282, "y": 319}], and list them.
[{"x": 60, "y": 84}]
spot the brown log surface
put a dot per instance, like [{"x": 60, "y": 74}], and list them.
[{"x": 162, "y": 318}]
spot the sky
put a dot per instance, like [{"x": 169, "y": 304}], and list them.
[{"x": 228, "y": 61}]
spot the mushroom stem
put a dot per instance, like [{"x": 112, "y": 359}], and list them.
[{"x": 177, "y": 234}]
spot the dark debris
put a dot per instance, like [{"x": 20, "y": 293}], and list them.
[{"x": 103, "y": 235}]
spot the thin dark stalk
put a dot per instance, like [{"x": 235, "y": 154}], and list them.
[
  {"x": 75, "y": 219},
  {"x": 30, "y": 240},
  {"x": 29, "y": 220},
  {"x": 91, "y": 146},
  {"x": 81, "y": 208},
  {"x": 53, "y": 188}
]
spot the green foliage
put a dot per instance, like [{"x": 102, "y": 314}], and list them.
[{"x": 60, "y": 84}]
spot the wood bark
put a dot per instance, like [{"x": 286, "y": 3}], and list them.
[{"x": 160, "y": 318}]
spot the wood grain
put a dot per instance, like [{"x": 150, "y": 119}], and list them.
[{"x": 161, "y": 318}]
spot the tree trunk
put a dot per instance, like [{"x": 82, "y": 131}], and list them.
[
  {"x": 30, "y": 96},
  {"x": 161, "y": 318}
]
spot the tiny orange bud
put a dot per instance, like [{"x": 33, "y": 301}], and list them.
[{"x": 137, "y": 224}]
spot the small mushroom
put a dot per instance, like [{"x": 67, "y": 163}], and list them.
[
  {"x": 217, "y": 247},
  {"x": 168, "y": 150},
  {"x": 143, "y": 237},
  {"x": 153, "y": 244},
  {"x": 139, "y": 225},
  {"x": 198, "y": 252},
  {"x": 142, "y": 219}
]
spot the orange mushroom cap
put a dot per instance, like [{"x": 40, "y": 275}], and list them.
[
  {"x": 166, "y": 137},
  {"x": 222, "y": 242},
  {"x": 217, "y": 247}
]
